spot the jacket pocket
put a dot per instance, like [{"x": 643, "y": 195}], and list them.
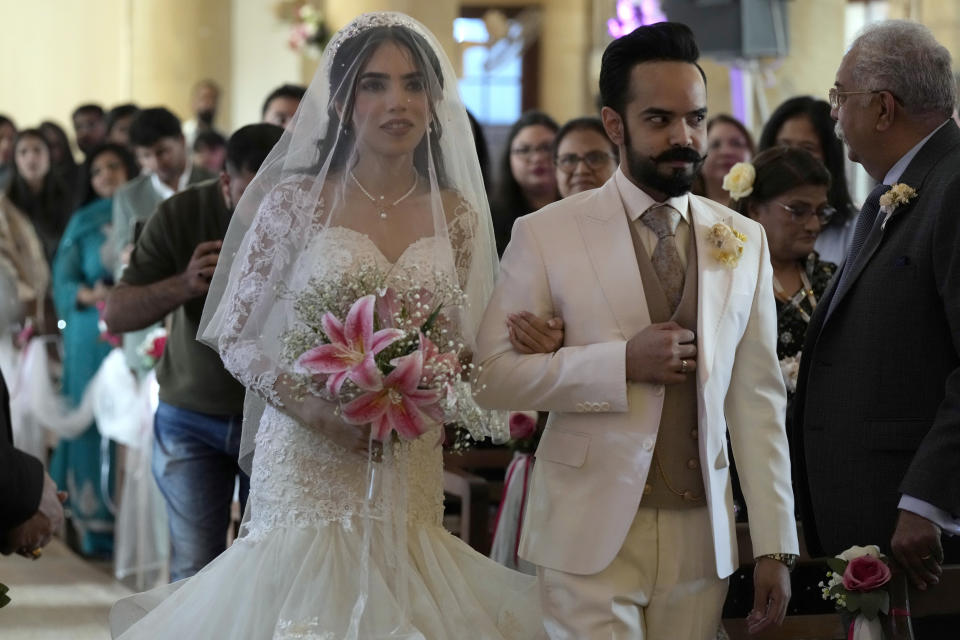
[{"x": 563, "y": 447}]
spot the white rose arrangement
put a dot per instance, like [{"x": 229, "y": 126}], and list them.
[{"x": 727, "y": 244}]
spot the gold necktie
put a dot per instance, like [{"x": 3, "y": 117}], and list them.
[{"x": 663, "y": 221}]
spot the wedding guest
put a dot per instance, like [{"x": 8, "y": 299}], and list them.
[
  {"x": 204, "y": 100},
  {"x": 584, "y": 156},
  {"x": 37, "y": 191},
  {"x": 118, "y": 123},
  {"x": 61, "y": 158},
  {"x": 161, "y": 149},
  {"x": 8, "y": 133},
  {"x": 31, "y": 510},
  {"x": 728, "y": 142},
  {"x": 526, "y": 180},
  {"x": 805, "y": 122},
  {"x": 210, "y": 151},
  {"x": 878, "y": 393},
  {"x": 789, "y": 198},
  {"x": 201, "y": 406},
  {"x": 281, "y": 104},
  {"x": 80, "y": 281},
  {"x": 89, "y": 126}
]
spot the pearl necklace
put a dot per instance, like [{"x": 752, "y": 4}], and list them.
[{"x": 380, "y": 204}]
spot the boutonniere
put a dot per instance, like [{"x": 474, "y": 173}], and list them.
[
  {"x": 897, "y": 195},
  {"x": 727, "y": 244}
]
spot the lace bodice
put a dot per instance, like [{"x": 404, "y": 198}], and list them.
[{"x": 300, "y": 478}]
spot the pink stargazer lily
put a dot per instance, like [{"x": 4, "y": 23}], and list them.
[
  {"x": 400, "y": 405},
  {"x": 352, "y": 348},
  {"x": 435, "y": 363}
]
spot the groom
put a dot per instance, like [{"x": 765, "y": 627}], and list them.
[{"x": 670, "y": 342}]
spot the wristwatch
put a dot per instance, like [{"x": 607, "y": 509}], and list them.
[{"x": 789, "y": 559}]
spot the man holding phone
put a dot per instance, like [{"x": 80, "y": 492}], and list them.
[{"x": 198, "y": 421}]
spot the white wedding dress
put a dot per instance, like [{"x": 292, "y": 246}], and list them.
[{"x": 297, "y": 571}]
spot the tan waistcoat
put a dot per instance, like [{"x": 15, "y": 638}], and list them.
[{"x": 675, "y": 480}]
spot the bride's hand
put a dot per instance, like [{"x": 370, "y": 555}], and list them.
[
  {"x": 530, "y": 334},
  {"x": 316, "y": 413}
]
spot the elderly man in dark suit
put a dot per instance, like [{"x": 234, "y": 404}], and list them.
[
  {"x": 31, "y": 510},
  {"x": 877, "y": 425}
]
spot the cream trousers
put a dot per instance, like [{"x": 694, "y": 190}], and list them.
[{"x": 662, "y": 585}]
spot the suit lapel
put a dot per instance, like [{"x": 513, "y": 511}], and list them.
[
  {"x": 606, "y": 234},
  {"x": 914, "y": 176},
  {"x": 715, "y": 282}
]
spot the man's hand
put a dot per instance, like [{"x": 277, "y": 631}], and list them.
[
  {"x": 37, "y": 531},
  {"x": 530, "y": 334},
  {"x": 661, "y": 354},
  {"x": 916, "y": 546},
  {"x": 90, "y": 297},
  {"x": 199, "y": 272},
  {"x": 771, "y": 594}
]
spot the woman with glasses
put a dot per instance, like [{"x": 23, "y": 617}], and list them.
[
  {"x": 585, "y": 157},
  {"x": 789, "y": 198},
  {"x": 805, "y": 122},
  {"x": 527, "y": 181}
]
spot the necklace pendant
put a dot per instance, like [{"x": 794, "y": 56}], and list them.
[{"x": 383, "y": 214}]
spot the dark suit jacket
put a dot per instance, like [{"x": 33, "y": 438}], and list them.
[
  {"x": 877, "y": 410},
  {"x": 21, "y": 475}
]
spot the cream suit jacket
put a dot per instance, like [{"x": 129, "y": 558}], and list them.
[{"x": 575, "y": 258}]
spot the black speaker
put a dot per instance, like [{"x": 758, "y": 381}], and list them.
[{"x": 733, "y": 28}]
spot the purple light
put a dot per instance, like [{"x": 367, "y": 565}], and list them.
[{"x": 632, "y": 14}]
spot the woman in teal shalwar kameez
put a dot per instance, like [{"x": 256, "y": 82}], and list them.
[{"x": 83, "y": 465}]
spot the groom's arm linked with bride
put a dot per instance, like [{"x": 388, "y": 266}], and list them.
[{"x": 630, "y": 517}]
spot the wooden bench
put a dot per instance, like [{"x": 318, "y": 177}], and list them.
[{"x": 474, "y": 479}]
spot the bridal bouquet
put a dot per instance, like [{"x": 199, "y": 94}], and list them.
[
  {"x": 386, "y": 354},
  {"x": 857, "y": 583}
]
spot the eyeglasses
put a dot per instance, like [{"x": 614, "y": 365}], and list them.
[
  {"x": 526, "y": 151},
  {"x": 837, "y": 97},
  {"x": 594, "y": 160},
  {"x": 800, "y": 212}
]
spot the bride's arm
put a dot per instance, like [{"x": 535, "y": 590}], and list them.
[{"x": 251, "y": 300}]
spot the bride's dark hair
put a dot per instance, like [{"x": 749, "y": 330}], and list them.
[{"x": 351, "y": 56}]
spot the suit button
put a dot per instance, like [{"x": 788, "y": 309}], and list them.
[
  {"x": 693, "y": 463},
  {"x": 647, "y": 489},
  {"x": 595, "y": 406},
  {"x": 694, "y": 433},
  {"x": 605, "y": 406},
  {"x": 648, "y": 444},
  {"x": 580, "y": 406}
]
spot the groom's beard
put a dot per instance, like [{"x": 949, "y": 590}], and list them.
[{"x": 677, "y": 181}]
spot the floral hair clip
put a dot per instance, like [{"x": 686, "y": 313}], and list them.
[{"x": 739, "y": 180}]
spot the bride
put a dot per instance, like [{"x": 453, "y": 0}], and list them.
[{"x": 377, "y": 182}]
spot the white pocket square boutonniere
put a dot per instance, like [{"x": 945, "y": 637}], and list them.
[
  {"x": 898, "y": 194},
  {"x": 726, "y": 243}
]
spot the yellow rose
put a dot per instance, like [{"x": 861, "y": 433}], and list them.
[
  {"x": 739, "y": 181},
  {"x": 726, "y": 243}
]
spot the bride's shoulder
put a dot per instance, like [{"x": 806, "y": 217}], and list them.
[{"x": 457, "y": 208}]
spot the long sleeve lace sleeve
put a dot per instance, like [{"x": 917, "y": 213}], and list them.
[{"x": 253, "y": 300}]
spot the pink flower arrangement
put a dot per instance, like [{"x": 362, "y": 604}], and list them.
[
  {"x": 865, "y": 573},
  {"x": 399, "y": 379},
  {"x": 523, "y": 424}
]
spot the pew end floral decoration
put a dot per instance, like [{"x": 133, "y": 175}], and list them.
[
  {"x": 858, "y": 583},
  {"x": 308, "y": 29}
]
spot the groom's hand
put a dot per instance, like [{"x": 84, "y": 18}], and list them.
[
  {"x": 662, "y": 353},
  {"x": 771, "y": 594}
]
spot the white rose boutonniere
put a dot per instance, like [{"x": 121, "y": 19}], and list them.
[
  {"x": 739, "y": 180},
  {"x": 897, "y": 195},
  {"x": 727, "y": 244}
]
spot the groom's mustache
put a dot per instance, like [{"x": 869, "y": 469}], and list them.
[{"x": 679, "y": 154}]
